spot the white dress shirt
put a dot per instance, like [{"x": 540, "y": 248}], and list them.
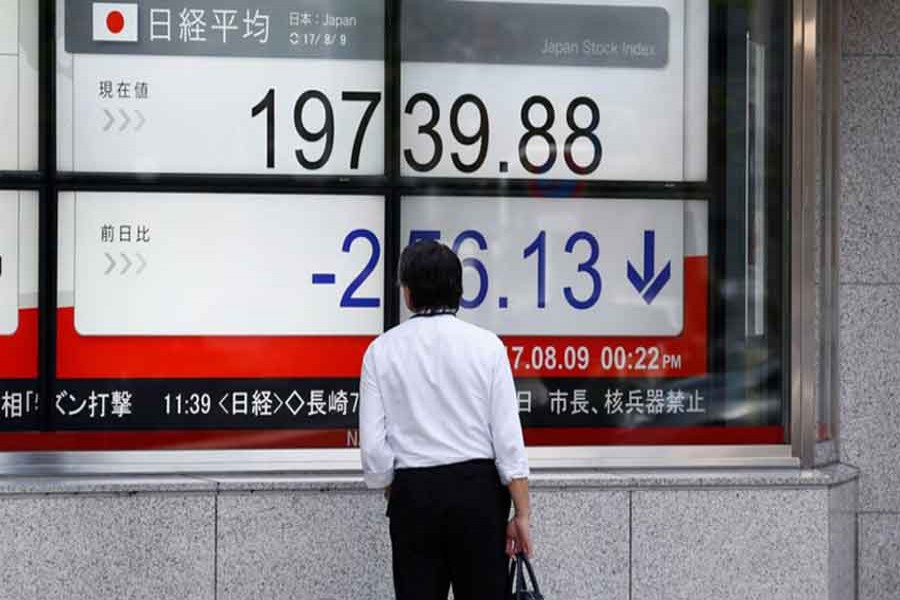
[{"x": 436, "y": 390}]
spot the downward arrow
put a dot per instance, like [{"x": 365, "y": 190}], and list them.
[
  {"x": 112, "y": 263},
  {"x": 650, "y": 284},
  {"x": 127, "y": 120},
  {"x": 110, "y": 120},
  {"x": 127, "y": 262}
]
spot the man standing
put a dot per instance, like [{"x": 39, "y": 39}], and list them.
[{"x": 440, "y": 432}]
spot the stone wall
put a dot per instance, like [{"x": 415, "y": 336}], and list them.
[
  {"x": 717, "y": 535},
  {"x": 870, "y": 284}
]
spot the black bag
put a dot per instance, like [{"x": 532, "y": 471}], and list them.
[{"x": 516, "y": 581}]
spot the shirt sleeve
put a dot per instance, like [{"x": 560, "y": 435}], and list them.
[
  {"x": 377, "y": 456},
  {"x": 506, "y": 428}
]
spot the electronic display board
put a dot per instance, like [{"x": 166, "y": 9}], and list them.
[
  {"x": 18, "y": 310},
  {"x": 19, "y": 85},
  {"x": 216, "y": 311},
  {"x": 200, "y": 315},
  {"x": 594, "y": 89},
  {"x": 212, "y": 86}
]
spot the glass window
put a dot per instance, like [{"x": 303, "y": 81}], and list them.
[
  {"x": 564, "y": 90},
  {"x": 18, "y": 85},
  {"x": 235, "y": 182},
  {"x": 18, "y": 311},
  {"x": 263, "y": 87},
  {"x": 216, "y": 312},
  {"x": 633, "y": 313}
]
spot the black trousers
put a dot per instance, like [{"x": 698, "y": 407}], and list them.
[{"x": 448, "y": 526}]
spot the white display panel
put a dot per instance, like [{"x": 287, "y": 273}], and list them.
[
  {"x": 587, "y": 267},
  {"x": 696, "y": 89},
  {"x": 640, "y": 117},
  {"x": 215, "y": 97},
  {"x": 29, "y": 250},
  {"x": 18, "y": 85},
  {"x": 9, "y": 262},
  {"x": 9, "y": 105},
  {"x": 214, "y": 264},
  {"x": 9, "y": 27},
  {"x": 18, "y": 257},
  {"x": 204, "y": 124}
]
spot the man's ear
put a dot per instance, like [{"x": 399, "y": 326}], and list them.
[{"x": 407, "y": 298}]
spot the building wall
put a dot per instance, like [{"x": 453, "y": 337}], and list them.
[
  {"x": 702, "y": 535},
  {"x": 870, "y": 284}
]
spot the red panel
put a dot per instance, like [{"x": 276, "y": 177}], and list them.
[
  {"x": 89, "y": 357},
  {"x": 653, "y": 436},
  {"x": 230, "y": 439},
  {"x": 19, "y": 352},
  {"x": 226, "y": 439}
]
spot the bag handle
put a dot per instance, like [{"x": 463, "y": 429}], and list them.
[
  {"x": 511, "y": 577},
  {"x": 521, "y": 558},
  {"x": 520, "y": 575},
  {"x": 515, "y": 582}
]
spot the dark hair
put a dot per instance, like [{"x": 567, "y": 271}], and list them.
[{"x": 433, "y": 274}]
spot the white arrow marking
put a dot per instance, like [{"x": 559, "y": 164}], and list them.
[
  {"x": 110, "y": 120},
  {"x": 112, "y": 263},
  {"x": 143, "y": 264},
  {"x": 222, "y": 403},
  {"x": 127, "y": 120},
  {"x": 141, "y": 117},
  {"x": 127, "y": 262},
  {"x": 280, "y": 403}
]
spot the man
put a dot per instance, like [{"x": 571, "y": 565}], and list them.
[{"x": 440, "y": 432}]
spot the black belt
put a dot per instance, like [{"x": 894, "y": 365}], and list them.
[{"x": 475, "y": 463}]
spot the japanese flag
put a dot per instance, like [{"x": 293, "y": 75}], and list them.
[{"x": 115, "y": 22}]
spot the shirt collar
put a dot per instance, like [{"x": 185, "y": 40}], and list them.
[{"x": 435, "y": 312}]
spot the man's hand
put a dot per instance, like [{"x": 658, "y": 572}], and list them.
[
  {"x": 518, "y": 536},
  {"x": 518, "y": 532},
  {"x": 387, "y": 493}
]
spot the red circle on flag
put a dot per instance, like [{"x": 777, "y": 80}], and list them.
[{"x": 115, "y": 21}]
